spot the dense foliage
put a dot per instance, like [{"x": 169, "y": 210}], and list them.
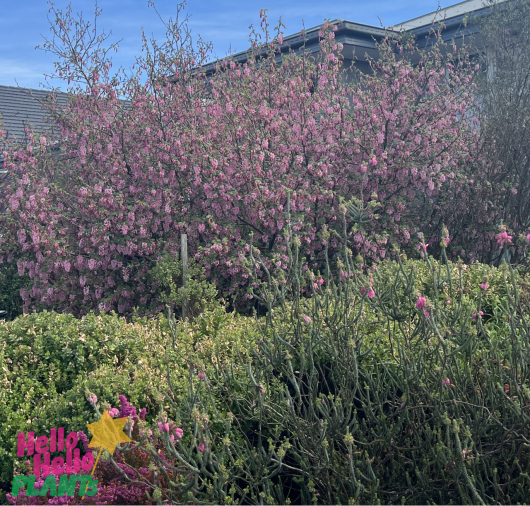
[
  {"x": 504, "y": 94},
  {"x": 170, "y": 149},
  {"x": 406, "y": 385},
  {"x": 49, "y": 363}
]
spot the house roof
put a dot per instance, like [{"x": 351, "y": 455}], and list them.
[
  {"x": 359, "y": 40},
  {"x": 21, "y": 108}
]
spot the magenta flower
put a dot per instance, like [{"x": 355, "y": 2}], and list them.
[
  {"x": 374, "y": 160},
  {"x": 446, "y": 239},
  {"x": 484, "y": 286},
  {"x": 201, "y": 376},
  {"x": 474, "y": 317},
  {"x": 92, "y": 398},
  {"x": 306, "y": 319},
  {"x": 179, "y": 432},
  {"x": 371, "y": 294},
  {"x": 423, "y": 247},
  {"x": 201, "y": 448},
  {"x": 446, "y": 382},
  {"x": 503, "y": 238},
  {"x": 426, "y": 314},
  {"x": 528, "y": 238},
  {"x": 363, "y": 290},
  {"x": 420, "y": 304},
  {"x": 113, "y": 412},
  {"x": 320, "y": 281}
]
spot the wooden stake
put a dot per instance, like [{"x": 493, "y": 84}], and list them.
[{"x": 184, "y": 258}]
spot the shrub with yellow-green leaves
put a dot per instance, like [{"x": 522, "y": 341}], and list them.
[{"x": 49, "y": 362}]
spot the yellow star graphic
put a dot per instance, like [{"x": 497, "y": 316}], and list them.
[{"x": 108, "y": 432}]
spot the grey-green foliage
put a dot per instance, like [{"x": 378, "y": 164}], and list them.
[{"x": 356, "y": 400}]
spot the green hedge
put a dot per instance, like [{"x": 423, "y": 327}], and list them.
[{"x": 49, "y": 362}]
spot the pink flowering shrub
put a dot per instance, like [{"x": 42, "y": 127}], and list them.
[{"x": 216, "y": 158}]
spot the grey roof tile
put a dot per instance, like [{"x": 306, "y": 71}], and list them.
[{"x": 21, "y": 108}]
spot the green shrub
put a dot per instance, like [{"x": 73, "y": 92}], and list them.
[
  {"x": 200, "y": 294},
  {"x": 356, "y": 397},
  {"x": 49, "y": 362}
]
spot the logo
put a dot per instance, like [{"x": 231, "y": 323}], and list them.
[{"x": 107, "y": 433}]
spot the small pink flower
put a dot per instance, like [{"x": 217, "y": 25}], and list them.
[
  {"x": 423, "y": 247},
  {"x": 363, "y": 290},
  {"x": 420, "y": 304},
  {"x": 320, "y": 281},
  {"x": 364, "y": 168},
  {"x": 484, "y": 286},
  {"x": 172, "y": 438},
  {"x": 43, "y": 141},
  {"x": 166, "y": 427},
  {"x": 446, "y": 382},
  {"x": 92, "y": 398},
  {"x": 374, "y": 160},
  {"x": 160, "y": 426},
  {"x": 474, "y": 317},
  {"x": 448, "y": 302},
  {"x": 426, "y": 314},
  {"x": 201, "y": 448},
  {"x": 201, "y": 376},
  {"x": 113, "y": 412},
  {"x": 179, "y": 432},
  {"x": 371, "y": 294},
  {"x": 306, "y": 319},
  {"x": 528, "y": 238},
  {"x": 446, "y": 239},
  {"x": 503, "y": 238}
]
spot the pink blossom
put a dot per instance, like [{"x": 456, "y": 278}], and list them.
[
  {"x": 426, "y": 314},
  {"x": 201, "y": 376},
  {"x": 320, "y": 281},
  {"x": 371, "y": 294},
  {"x": 363, "y": 290},
  {"x": 179, "y": 432},
  {"x": 201, "y": 448},
  {"x": 503, "y": 238},
  {"x": 113, "y": 412},
  {"x": 528, "y": 238},
  {"x": 306, "y": 319},
  {"x": 374, "y": 160},
  {"x": 92, "y": 398},
  {"x": 484, "y": 286},
  {"x": 420, "y": 303},
  {"x": 474, "y": 316},
  {"x": 446, "y": 382}
]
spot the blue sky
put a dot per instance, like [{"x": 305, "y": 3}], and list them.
[{"x": 223, "y": 22}]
